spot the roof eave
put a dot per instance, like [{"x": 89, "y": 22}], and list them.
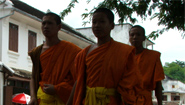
[
  {"x": 77, "y": 35},
  {"x": 6, "y": 69}
]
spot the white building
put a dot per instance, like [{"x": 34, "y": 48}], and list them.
[
  {"x": 19, "y": 33},
  {"x": 174, "y": 91},
  {"x": 120, "y": 33}
]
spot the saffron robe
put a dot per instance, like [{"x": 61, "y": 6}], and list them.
[
  {"x": 112, "y": 66},
  {"x": 55, "y": 66},
  {"x": 151, "y": 70}
]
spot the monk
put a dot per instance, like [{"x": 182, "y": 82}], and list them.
[
  {"x": 149, "y": 65},
  {"x": 53, "y": 66},
  {"x": 106, "y": 71}
]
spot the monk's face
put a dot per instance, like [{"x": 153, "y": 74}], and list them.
[
  {"x": 101, "y": 26},
  {"x": 50, "y": 27},
  {"x": 136, "y": 37}
]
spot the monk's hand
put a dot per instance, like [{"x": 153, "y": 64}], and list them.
[
  {"x": 49, "y": 89},
  {"x": 33, "y": 101}
]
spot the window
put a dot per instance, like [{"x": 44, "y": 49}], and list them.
[
  {"x": 164, "y": 98},
  {"x": 31, "y": 40},
  {"x": 19, "y": 84},
  {"x": 26, "y": 85},
  {"x": 11, "y": 82},
  {"x": 175, "y": 97},
  {"x": 13, "y": 37}
]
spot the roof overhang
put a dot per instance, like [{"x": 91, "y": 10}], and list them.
[
  {"x": 180, "y": 92},
  {"x": 36, "y": 16},
  {"x": 15, "y": 77},
  {"x": 6, "y": 69},
  {"x": 149, "y": 42}
]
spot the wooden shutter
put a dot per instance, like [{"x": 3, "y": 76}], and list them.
[
  {"x": 32, "y": 39},
  {"x": 13, "y": 37}
]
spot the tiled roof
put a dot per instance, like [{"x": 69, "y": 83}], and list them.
[
  {"x": 39, "y": 14},
  {"x": 27, "y": 8}
]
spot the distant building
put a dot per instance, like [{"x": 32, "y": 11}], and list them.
[
  {"x": 174, "y": 91},
  {"x": 120, "y": 33}
]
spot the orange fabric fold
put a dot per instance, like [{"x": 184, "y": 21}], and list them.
[
  {"x": 111, "y": 65},
  {"x": 151, "y": 70},
  {"x": 57, "y": 68}
]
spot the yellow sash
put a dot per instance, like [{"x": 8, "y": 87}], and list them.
[
  {"x": 98, "y": 95},
  {"x": 46, "y": 99}
]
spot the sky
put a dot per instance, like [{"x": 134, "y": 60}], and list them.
[{"x": 170, "y": 44}]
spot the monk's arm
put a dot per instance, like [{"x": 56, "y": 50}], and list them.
[
  {"x": 158, "y": 92},
  {"x": 64, "y": 88},
  {"x": 129, "y": 81},
  {"x": 70, "y": 100},
  {"x": 33, "y": 100},
  {"x": 159, "y": 75},
  {"x": 32, "y": 88}
]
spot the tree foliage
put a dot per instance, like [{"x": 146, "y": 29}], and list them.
[
  {"x": 180, "y": 63},
  {"x": 175, "y": 70},
  {"x": 170, "y": 14}
]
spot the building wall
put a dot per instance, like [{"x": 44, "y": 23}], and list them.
[
  {"x": 119, "y": 33},
  {"x": 173, "y": 85},
  {"x": 1, "y": 88},
  {"x": 168, "y": 96},
  {"x": 20, "y": 59},
  {"x": 88, "y": 33},
  {"x": 1, "y": 41},
  {"x": 3, "y": 12},
  {"x": 182, "y": 98},
  {"x": 6, "y": 10}
]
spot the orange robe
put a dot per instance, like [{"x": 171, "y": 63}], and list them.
[
  {"x": 111, "y": 65},
  {"x": 57, "y": 68},
  {"x": 151, "y": 70}
]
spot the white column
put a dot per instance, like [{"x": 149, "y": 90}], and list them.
[
  {"x": 169, "y": 97},
  {"x": 182, "y": 98},
  {"x": 1, "y": 88}
]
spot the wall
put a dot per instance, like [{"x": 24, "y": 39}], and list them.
[
  {"x": 179, "y": 86},
  {"x": 119, "y": 33},
  {"x": 179, "y": 89},
  {"x": 1, "y": 87},
  {"x": 5, "y": 10},
  {"x": 20, "y": 59}
]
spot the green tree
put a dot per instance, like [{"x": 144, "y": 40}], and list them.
[
  {"x": 175, "y": 70},
  {"x": 180, "y": 63},
  {"x": 170, "y": 15}
]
